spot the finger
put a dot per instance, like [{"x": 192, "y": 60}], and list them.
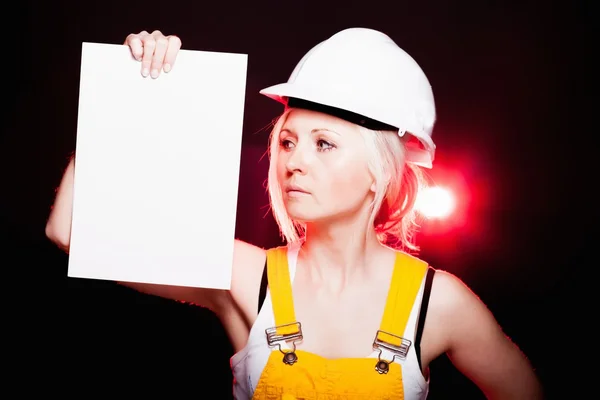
[
  {"x": 135, "y": 46},
  {"x": 159, "y": 55},
  {"x": 172, "y": 51},
  {"x": 149, "y": 46}
]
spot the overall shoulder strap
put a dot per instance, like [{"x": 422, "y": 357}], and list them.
[
  {"x": 406, "y": 281},
  {"x": 280, "y": 288}
]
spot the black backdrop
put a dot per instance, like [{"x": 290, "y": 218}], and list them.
[{"x": 514, "y": 123}]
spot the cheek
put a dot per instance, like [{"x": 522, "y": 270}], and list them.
[
  {"x": 281, "y": 165},
  {"x": 349, "y": 181}
]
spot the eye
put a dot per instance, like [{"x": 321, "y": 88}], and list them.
[
  {"x": 324, "y": 145},
  {"x": 286, "y": 144}
]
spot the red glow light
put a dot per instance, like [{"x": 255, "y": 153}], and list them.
[{"x": 435, "y": 202}]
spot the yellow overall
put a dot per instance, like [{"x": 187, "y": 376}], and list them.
[{"x": 297, "y": 374}]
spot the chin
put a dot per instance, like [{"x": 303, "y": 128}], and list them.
[{"x": 303, "y": 214}]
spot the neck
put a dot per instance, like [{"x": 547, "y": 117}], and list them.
[{"x": 336, "y": 253}]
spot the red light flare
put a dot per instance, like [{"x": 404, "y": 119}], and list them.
[{"x": 450, "y": 207}]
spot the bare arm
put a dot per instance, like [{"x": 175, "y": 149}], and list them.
[
  {"x": 58, "y": 227},
  {"x": 58, "y": 230},
  {"x": 478, "y": 347},
  {"x": 152, "y": 50},
  {"x": 236, "y": 308},
  {"x": 247, "y": 260}
]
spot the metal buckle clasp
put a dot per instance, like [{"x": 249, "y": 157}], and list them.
[
  {"x": 274, "y": 339},
  {"x": 401, "y": 351}
]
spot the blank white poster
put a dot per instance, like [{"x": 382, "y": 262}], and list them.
[{"x": 156, "y": 168}]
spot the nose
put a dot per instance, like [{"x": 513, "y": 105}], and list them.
[{"x": 297, "y": 160}]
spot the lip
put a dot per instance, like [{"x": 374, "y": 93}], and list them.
[{"x": 295, "y": 189}]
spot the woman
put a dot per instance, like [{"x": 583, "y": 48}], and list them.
[{"x": 347, "y": 311}]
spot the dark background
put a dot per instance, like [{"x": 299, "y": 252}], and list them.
[{"x": 514, "y": 141}]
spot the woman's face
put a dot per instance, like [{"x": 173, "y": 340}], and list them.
[{"x": 322, "y": 167}]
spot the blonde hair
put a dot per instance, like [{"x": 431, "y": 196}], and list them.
[{"x": 397, "y": 184}]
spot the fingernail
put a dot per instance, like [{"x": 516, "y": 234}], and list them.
[
  {"x": 145, "y": 72},
  {"x": 154, "y": 73},
  {"x": 167, "y": 67}
]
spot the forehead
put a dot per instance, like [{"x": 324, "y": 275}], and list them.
[{"x": 300, "y": 120}]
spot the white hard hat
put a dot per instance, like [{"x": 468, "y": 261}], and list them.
[{"x": 364, "y": 73}]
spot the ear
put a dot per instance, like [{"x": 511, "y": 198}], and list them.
[
  {"x": 386, "y": 179},
  {"x": 373, "y": 187}
]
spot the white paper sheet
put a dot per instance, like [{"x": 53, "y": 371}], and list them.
[{"x": 157, "y": 168}]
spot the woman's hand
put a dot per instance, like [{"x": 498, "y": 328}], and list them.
[{"x": 156, "y": 51}]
